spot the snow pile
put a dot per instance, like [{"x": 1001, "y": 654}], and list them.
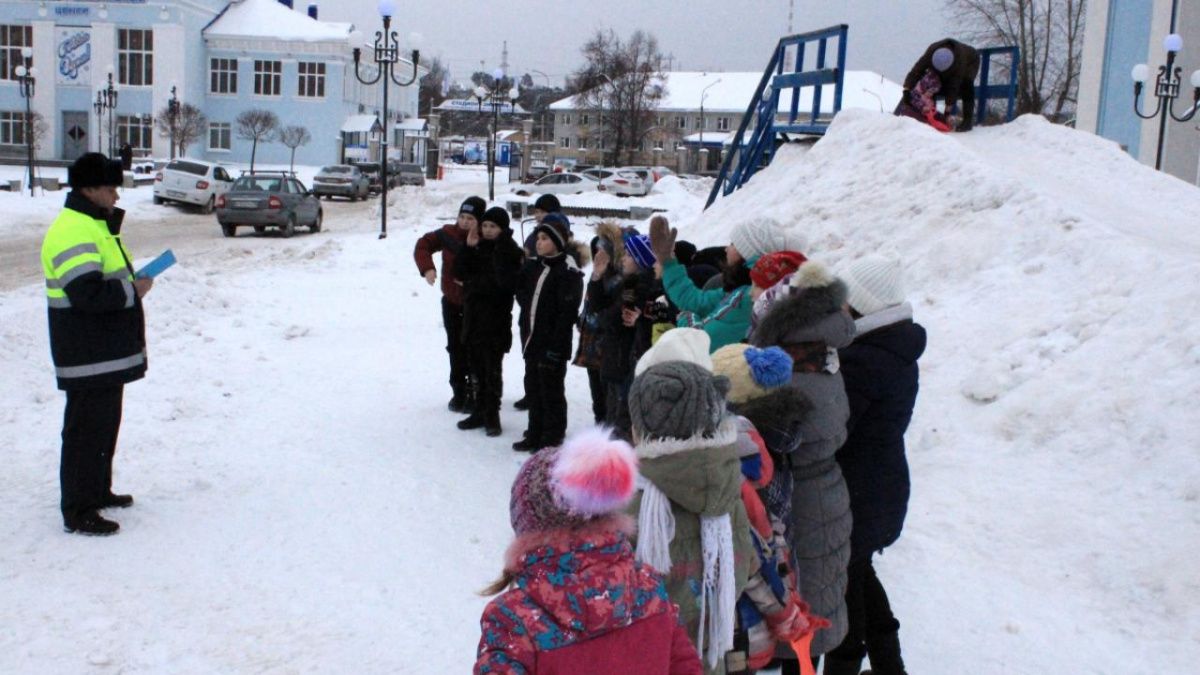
[{"x": 1052, "y": 445}]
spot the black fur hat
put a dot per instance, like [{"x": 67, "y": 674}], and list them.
[{"x": 93, "y": 169}]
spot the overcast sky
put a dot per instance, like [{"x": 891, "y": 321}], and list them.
[{"x": 886, "y": 36}]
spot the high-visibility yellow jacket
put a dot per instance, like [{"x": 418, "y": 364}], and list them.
[{"x": 97, "y": 328}]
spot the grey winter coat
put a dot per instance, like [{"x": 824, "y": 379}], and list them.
[{"x": 805, "y": 320}]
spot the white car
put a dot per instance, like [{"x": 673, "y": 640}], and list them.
[
  {"x": 564, "y": 183},
  {"x": 625, "y": 184},
  {"x": 192, "y": 181}
]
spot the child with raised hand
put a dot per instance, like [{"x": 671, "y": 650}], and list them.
[{"x": 572, "y": 597}]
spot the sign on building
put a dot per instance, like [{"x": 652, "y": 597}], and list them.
[{"x": 73, "y": 49}]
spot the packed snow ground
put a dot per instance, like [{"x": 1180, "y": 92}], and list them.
[{"x": 305, "y": 503}]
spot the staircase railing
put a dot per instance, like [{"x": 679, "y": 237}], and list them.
[
  {"x": 986, "y": 90},
  {"x": 753, "y": 147}
]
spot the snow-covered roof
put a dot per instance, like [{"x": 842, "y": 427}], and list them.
[
  {"x": 355, "y": 124},
  {"x": 731, "y": 93},
  {"x": 271, "y": 19},
  {"x": 473, "y": 105},
  {"x": 412, "y": 124},
  {"x": 710, "y": 137}
]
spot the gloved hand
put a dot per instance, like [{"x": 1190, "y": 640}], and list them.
[{"x": 789, "y": 623}]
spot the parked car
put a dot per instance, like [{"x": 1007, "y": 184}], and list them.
[
  {"x": 564, "y": 183},
  {"x": 410, "y": 174},
  {"x": 344, "y": 180},
  {"x": 598, "y": 173},
  {"x": 654, "y": 173},
  {"x": 625, "y": 184},
  {"x": 275, "y": 200},
  {"x": 373, "y": 173},
  {"x": 191, "y": 181},
  {"x": 538, "y": 169}
]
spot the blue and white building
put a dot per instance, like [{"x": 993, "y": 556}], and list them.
[
  {"x": 1120, "y": 34},
  {"x": 222, "y": 56}
]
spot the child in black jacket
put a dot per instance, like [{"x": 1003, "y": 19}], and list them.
[
  {"x": 550, "y": 292},
  {"x": 488, "y": 267}
]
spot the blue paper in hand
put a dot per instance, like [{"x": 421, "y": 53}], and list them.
[{"x": 157, "y": 266}]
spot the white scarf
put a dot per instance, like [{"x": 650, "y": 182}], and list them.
[{"x": 656, "y": 529}]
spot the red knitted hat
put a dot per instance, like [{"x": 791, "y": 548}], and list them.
[{"x": 773, "y": 267}]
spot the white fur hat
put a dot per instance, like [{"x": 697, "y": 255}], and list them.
[
  {"x": 678, "y": 344},
  {"x": 873, "y": 283}
]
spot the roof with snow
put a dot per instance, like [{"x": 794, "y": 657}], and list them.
[
  {"x": 271, "y": 19},
  {"x": 731, "y": 92},
  {"x": 357, "y": 124}
]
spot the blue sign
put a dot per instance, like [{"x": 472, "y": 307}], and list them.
[
  {"x": 71, "y": 11},
  {"x": 74, "y": 52}
]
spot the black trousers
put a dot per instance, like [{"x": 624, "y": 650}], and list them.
[
  {"x": 599, "y": 396},
  {"x": 460, "y": 359},
  {"x": 545, "y": 392},
  {"x": 873, "y": 629},
  {"x": 91, "y": 422},
  {"x": 617, "y": 406},
  {"x": 487, "y": 367}
]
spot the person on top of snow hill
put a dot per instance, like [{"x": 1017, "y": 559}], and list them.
[
  {"x": 881, "y": 374},
  {"x": 449, "y": 240},
  {"x": 488, "y": 267},
  {"x": 549, "y": 293},
  {"x": 573, "y": 599},
  {"x": 919, "y": 104},
  {"x": 956, "y": 65},
  {"x": 692, "y": 524},
  {"x": 804, "y": 314},
  {"x": 722, "y": 313}
]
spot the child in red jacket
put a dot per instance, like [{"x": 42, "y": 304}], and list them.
[{"x": 576, "y": 600}]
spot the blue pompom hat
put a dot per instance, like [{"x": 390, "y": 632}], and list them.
[
  {"x": 638, "y": 247},
  {"x": 752, "y": 372}
]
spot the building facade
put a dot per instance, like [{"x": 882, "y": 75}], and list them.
[
  {"x": 697, "y": 117},
  {"x": 1119, "y": 35},
  {"x": 223, "y": 57}
]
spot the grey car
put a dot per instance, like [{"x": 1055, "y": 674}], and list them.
[
  {"x": 343, "y": 180},
  {"x": 409, "y": 174},
  {"x": 263, "y": 200}
]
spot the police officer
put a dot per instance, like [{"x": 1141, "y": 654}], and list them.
[{"x": 97, "y": 336}]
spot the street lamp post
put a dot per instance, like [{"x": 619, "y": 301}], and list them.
[
  {"x": 493, "y": 97},
  {"x": 704, "y": 95},
  {"x": 26, "y": 76},
  {"x": 172, "y": 116},
  {"x": 1166, "y": 88},
  {"x": 542, "y": 136},
  {"x": 106, "y": 100},
  {"x": 386, "y": 55}
]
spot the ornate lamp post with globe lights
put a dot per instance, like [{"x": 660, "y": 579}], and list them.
[
  {"x": 106, "y": 100},
  {"x": 496, "y": 99},
  {"x": 385, "y": 57},
  {"x": 26, "y": 76},
  {"x": 1166, "y": 88}
]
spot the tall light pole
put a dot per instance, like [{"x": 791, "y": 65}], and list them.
[
  {"x": 1166, "y": 88},
  {"x": 704, "y": 95},
  {"x": 172, "y": 116},
  {"x": 385, "y": 57},
  {"x": 106, "y": 100},
  {"x": 26, "y": 76},
  {"x": 495, "y": 98},
  {"x": 542, "y": 136}
]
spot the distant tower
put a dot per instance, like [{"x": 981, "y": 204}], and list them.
[{"x": 504, "y": 58}]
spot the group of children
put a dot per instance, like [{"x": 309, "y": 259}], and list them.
[{"x": 751, "y": 464}]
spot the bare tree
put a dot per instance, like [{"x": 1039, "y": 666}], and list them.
[
  {"x": 294, "y": 137},
  {"x": 257, "y": 124},
  {"x": 432, "y": 85},
  {"x": 623, "y": 82},
  {"x": 1050, "y": 36},
  {"x": 190, "y": 125}
]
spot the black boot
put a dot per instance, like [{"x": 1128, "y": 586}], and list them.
[
  {"x": 475, "y": 421},
  {"x": 90, "y": 523},
  {"x": 526, "y": 445},
  {"x": 111, "y": 500},
  {"x": 492, "y": 423},
  {"x": 836, "y": 666},
  {"x": 884, "y": 651},
  {"x": 456, "y": 403},
  {"x": 521, "y": 404}
]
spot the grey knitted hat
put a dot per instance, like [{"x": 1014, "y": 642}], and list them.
[{"x": 677, "y": 399}]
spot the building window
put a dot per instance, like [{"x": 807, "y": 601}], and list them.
[
  {"x": 12, "y": 128},
  {"x": 267, "y": 77},
  {"x": 700, "y": 123},
  {"x": 135, "y": 57},
  {"x": 12, "y": 39},
  {"x": 722, "y": 124},
  {"x": 658, "y": 145},
  {"x": 219, "y": 136},
  {"x": 603, "y": 143},
  {"x": 312, "y": 79},
  {"x": 135, "y": 130},
  {"x": 681, "y": 122},
  {"x": 566, "y": 119},
  {"x": 675, "y": 146},
  {"x": 565, "y": 142},
  {"x": 223, "y": 76},
  {"x": 641, "y": 146},
  {"x": 585, "y": 120},
  {"x": 660, "y": 121},
  {"x": 583, "y": 143}
]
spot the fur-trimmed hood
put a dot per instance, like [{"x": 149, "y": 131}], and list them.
[
  {"x": 701, "y": 475},
  {"x": 777, "y": 417},
  {"x": 807, "y": 307},
  {"x": 611, "y": 234}
]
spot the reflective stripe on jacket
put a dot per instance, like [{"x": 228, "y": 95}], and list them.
[{"x": 97, "y": 328}]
